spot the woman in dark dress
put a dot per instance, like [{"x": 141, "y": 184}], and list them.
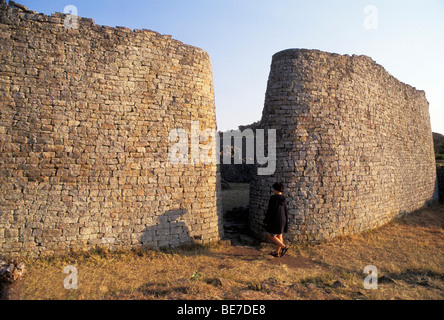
[{"x": 276, "y": 220}]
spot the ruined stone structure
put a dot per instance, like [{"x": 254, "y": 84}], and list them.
[
  {"x": 85, "y": 116},
  {"x": 354, "y": 145}
]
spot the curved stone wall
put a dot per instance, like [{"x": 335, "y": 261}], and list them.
[
  {"x": 84, "y": 124},
  {"x": 354, "y": 145}
]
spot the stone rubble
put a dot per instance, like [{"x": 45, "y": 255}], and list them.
[{"x": 11, "y": 271}]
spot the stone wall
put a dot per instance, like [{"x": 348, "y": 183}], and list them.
[
  {"x": 354, "y": 145},
  {"x": 84, "y": 124}
]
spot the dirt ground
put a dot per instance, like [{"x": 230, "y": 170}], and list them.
[{"x": 408, "y": 255}]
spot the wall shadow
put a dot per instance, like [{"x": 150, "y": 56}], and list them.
[
  {"x": 431, "y": 216},
  {"x": 439, "y": 186},
  {"x": 170, "y": 231}
]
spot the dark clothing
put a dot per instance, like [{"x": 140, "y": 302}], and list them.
[{"x": 276, "y": 218}]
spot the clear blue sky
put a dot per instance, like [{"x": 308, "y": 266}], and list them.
[{"x": 242, "y": 35}]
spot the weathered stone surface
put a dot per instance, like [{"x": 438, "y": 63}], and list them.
[
  {"x": 354, "y": 145},
  {"x": 84, "y": 124}
]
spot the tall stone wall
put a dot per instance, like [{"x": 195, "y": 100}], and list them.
[
  {"x": 85, "y": 116},
  {"x": 354, "y": 145}
]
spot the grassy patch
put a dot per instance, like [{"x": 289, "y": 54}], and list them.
[
  {"x": 238, "y": 196},
  {"x": 407, "y": 252}
]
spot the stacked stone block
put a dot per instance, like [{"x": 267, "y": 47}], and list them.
[
  {"x": 354, "y": 145},
  {"x": 84, "y": 123}
]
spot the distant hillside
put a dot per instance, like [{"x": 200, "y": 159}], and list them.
[{"x": 241, "y": 173}]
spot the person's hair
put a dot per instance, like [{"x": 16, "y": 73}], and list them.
[{"x": 279, "y": 187}]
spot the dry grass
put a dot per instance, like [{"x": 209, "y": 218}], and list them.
[
  {"x": 409, "y": 251},
  {"x": 238, "y": 196}
]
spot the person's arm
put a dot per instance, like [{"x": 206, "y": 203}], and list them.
[
  {"x": 286, "y": 210},
  {"x": 286, "y": 216},
  {"x": 269, "y": 210}
]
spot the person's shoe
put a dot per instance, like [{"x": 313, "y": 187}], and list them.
[
  {"x": 274, "y": 254},
  {"x": 284, "y": 251}
]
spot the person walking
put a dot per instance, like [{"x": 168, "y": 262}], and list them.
[{"x": 276, "y": 220}]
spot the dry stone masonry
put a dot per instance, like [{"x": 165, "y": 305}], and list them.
[
  {"x": 354, "y": 145},
  {"x": 85, "y": 116}
]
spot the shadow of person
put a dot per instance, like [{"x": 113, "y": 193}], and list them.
[{"x": 171, "y": 230}]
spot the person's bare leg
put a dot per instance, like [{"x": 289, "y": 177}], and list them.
[
  {"x": 281, "y": 239},
  {"x": 276, "y": 241},
  {"x": 282, "y": 250}
]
